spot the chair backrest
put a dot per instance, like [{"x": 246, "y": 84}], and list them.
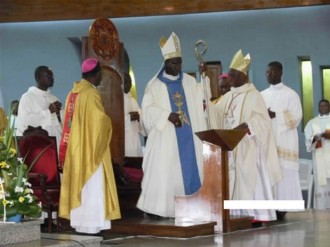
[
  {"x": 41, "y": 149},
  {"x": 305, "y": 173},
  {"x": 306, "y": 178}
]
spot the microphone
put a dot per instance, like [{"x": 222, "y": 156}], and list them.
[
  {"x": 56, "y": 106},
  {"x": 58, "y": 116}
]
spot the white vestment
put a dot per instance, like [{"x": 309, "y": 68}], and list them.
[
  {"x": 34, "y": 111},
  {"x": 162, "y": 179},
  {"x": 213, "y": 112},
  {"x": 133, "y": 129},
  {"x": 285, "y": 102},
  {"x": 89, "y": 216},
  {"x": 321, "y": 159},
  {"x": 253, "y": 165}
]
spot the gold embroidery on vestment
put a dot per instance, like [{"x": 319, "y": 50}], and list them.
[
  {"x": 287, "y": 154},
  {"x": 289, "y": 121}
]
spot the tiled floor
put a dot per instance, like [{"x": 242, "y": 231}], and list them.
[{"x": 303, "y": 229}]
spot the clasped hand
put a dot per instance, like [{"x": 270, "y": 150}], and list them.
[
  {"x": 55, "y": 107},
  {"x": 318, "y": 137},
  {"x": 271, "y": 114},
  {"x": 135, "y": 116},
  {"x": 326, "y": 134},
  {"x": 174, "y": 118}
]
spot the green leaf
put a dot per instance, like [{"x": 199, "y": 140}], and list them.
[{"x": 38, "y": 156}]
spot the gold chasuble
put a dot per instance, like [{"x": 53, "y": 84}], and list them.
[{"x": 87, "y": 149}]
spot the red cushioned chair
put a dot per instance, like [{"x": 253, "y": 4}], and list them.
[
  {"x": 128, "y": 174},
  {"x": 45, "y": 173},
  {"x": 133, "y": 168}
]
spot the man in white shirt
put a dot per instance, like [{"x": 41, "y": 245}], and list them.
[
  {"x": 133, "y": 123},
  {"x": 285, "y": 111},
  {"x": 38, "y": 107},
  {"x": 317, "y": 134}
]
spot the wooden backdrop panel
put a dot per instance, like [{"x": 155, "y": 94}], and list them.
[
  {"x": 112, "y": 98},
  {"x": 214, "y": 69},
  {"x": 103, "y": 43}
]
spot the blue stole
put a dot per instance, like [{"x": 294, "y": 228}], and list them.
[{"x": 184, "y": 136}]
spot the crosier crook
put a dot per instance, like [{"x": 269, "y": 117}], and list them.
[{"x": 198, "y": 54}]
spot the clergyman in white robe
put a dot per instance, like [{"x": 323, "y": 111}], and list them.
[
  {"x": 285, "y": 102},
  {"x": 253, "y": 165},
  {"x": 163, "y": 178},
  {"x": 133, "y": 129},
  {"x": 320, "y": 148},
  {"x": 34, "y": 111}
]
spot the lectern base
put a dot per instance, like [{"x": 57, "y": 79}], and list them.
[
  {"x": 162, "y": 228},
  {"x": 239, "y": 223},
  {"x": 169, "y": 228}
]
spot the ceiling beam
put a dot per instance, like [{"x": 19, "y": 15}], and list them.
[{"x": 51, "y": 10}]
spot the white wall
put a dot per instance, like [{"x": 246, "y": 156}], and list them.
[{"x": 273, "y": 34}]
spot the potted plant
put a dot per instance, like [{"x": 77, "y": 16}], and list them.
[{"x": 16, "y": 195}]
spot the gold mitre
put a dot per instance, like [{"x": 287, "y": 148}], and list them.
[
  {"x": 240, "y": 63},
  {"x": 171, "y": 47}
]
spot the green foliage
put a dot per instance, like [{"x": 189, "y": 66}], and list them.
[{"x": 16, "y": 195}]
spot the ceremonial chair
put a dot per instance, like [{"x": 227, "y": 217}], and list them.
[
  {"x": 39, "y": 149},
  {"x": 128, "y": 174},
  {"x": 133, "y": 168},
  {"x": 306, "y": 179}
]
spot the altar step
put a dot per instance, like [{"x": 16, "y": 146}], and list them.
[{"x": 161, "y": 228}]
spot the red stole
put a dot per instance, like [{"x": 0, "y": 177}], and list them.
[{"x": 67, "y": 127}]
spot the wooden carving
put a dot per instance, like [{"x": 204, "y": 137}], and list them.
[{"x": 104, "y": 38}]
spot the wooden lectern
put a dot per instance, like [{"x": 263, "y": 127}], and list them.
[{"x": 207, "y": 203}]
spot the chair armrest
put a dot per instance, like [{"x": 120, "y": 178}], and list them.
[
  {"x": 133, "y": 162},
  {"x": 40, "y": 183},
  {"x": 41, "y": 176},
  {"x": 121, "y": 177}
]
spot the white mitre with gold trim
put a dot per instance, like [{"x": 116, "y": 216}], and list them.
[
  {"x": 240, "y": 63},
  {"x": 171, "y": 47}
]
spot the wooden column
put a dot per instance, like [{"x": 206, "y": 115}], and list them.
[{"x": 103, "y": 43}]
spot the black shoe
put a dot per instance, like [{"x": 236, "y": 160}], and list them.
[{"x": 280, "y": 215}]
